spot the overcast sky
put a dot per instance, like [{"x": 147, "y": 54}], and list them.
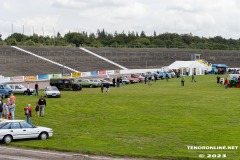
[{"x": 207, "y": 18}]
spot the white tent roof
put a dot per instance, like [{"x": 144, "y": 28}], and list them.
[{"x": 186, "y": 64}]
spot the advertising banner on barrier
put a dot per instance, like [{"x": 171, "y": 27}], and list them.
[
  {"x": 94, "y": 73},
  {"x": 66, "y": 75},
  {"x": 86, "y": 74},
  {"x": 17, "y": 79},
  {"x": 76, "y": 74},
  {"x": 43, "y": 77},
  {"x": 117, "y": 72},
  {"x": 5, "y": 79},
  {"x": 110, "y": 72},
  {"x": 55, "y": 75},
  {"x": 102, "y": 72},
  {"x": 30, "y": 78}
]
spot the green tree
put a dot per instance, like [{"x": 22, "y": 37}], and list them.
[
  {"x": 158, "y": 42},
  {"x": 143, "y": 35},
  {"x": 29, "y": 42},
  {"x": 11, "y": 41},
  {"x": 75, "y": 38},
  {"x": 141, "y": 42}
]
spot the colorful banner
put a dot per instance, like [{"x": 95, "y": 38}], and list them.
[
  {"x": 102, "y": 72},
  {"x": 94, "y": 73},
  {"x": 110, "y": 72},
  {"x": 30, "y": 78},
  {"x": 66, "y": 75},
  {"x": 5, "y": 79},
  {"x": 17, "y": 79},
  {"x": 43, "y": 77},
  {"x": 76, "y": 74},
  {"x": 117, "y": 72},
  {"x": 86, "y": 74},
  {"x": 55, "y": 75}
]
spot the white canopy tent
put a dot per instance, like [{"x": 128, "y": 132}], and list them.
[{"x": 190, "y": 67}]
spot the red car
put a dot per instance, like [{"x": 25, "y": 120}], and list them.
[
  {"x": 132, "y": 80},
  {"x": 140, "y": 78}
]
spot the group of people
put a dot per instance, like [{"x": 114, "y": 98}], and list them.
[
  {"x": 39, "y": 108},
  {"x": 7, "y": 109}
]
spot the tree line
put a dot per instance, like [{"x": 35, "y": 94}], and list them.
[{"x": 130, "y": 40}]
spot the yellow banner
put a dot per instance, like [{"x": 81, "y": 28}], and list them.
[
  {"x": 30, "y": 78},
  {"x": 76, "y": 74}
]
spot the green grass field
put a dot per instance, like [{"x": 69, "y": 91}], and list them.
[{"x": 138, "y": 120}]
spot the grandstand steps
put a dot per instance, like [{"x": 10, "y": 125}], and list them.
[{"x": 14, "y": 62}]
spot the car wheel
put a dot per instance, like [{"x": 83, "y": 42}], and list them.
[
  {"x": 91, "y": 86},
  {"x": 43, "y": 136},
  {"x": 7, "y": 139},
  {"x": 25, "y": 93}
]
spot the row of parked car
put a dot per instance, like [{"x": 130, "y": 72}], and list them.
[
  {"x": 57, "y": 84},
  {"x": 78, "y": 84},
  {"x": 7, "y": 89}
]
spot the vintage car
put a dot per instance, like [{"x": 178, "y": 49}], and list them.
[
  {"x": 124, "y": 80},
  {"x": 20, "y": 129},
  {"x": 132, "y": 80},
  {"x": 5, "y": 90},
  {"x": 102, "y": 81},
  {"x": 20, "y": 89},
  {"x": 88, "y": 83},
  {"x": 65, "y": 83},
  {"x": 140, "y": 78}
]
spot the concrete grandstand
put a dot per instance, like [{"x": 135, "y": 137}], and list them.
[{"x": 14, "y": 62}]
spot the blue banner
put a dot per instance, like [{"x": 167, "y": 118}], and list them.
[
  {"x": 94, "y": 73},
  {"x": 43, "y": 76}
]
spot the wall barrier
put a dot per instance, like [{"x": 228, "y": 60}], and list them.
[{"x": 44, "y": 77}]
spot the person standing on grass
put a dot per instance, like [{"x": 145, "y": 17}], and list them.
[
  {"x": 37, "y": 110},
  {"x": 28, "y": 88},
  {"x": 42, "y": 104},
  {"x": 114, "y": 82},
  {"x": 1, "y": 109},
  {"x": 12, "y": 98},
  {"x": 167, "y": 77},
  {"x": 28, "y": 113},
  {"x": 155, "y": 77},
  {"x": 5, "y": 111},
  {"x": 12, "y": 107},
  {"x": 102, "y": 87},
  {"x": 149, "y": 80},
  {"x": 36, "y": 89},
  {"x": 218, "y": 79},
  {"x": 226, "y": 83},
  {"x": 107, "y": 85},
  {"x": 182, "y": 81},
  {"x": 193, "y": 78}
]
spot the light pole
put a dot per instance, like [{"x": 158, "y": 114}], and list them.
[
  {"x": 146, "y": 60},
  {"x": 53, "y": 36},
  {"x": 63, "y": 71}
]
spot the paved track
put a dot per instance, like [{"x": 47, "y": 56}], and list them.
[{"x": 11, "y": 153}]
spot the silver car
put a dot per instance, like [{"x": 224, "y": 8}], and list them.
[
  {"x": 20, "y": 129},
  {"x": 52, "y": 91}
]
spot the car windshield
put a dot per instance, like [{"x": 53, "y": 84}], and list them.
[
  {"x": 51, "y": 89},
  {"x": 21, "y": 86},
  {"x": 2, "y": 124},
  {"x": 7, "y": 86}
]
